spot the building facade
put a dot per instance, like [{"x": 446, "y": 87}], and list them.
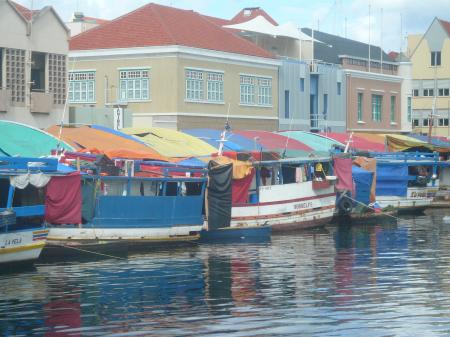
[
  {"x": 179, "y": 70},
  {"x": 33, "y": 65},
  {"x": 375, "y": 92},
  {"x": 430, "y": 56}
]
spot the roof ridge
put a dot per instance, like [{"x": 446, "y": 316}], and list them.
[{"x": 162, "y": 23}]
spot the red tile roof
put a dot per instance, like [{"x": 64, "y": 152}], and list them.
[
  {"x": 446, "y": 26},
  {"x": 26, "y": 13},
  {"x": 157, "y": 25},
  {"x": 393, "y": 55},
  {"x": 250, "y": 13},
  {"x": 218, "y": 21}
]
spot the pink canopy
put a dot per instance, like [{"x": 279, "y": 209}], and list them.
[
  {"x": 274, "y": 141},
  {"x": 358, "y": 142}
]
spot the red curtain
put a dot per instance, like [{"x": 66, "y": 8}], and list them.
[
  {"x": 63, "y": 199},
  {"x": 240, "y": 188},
  {"x": 343, "y": 170}
]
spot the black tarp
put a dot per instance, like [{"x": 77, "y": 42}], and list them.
[{"x": 219, "y": 195}]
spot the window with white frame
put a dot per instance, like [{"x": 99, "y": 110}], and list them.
[
  {"x": 134, "y": 85},
  {"x": 194, "y": 85},
  {"x": 265, "y": 91},
  {"x": 197, "y": 80},
  {"x": 247, "y": 89},
  {"x": 255, "y": 90},
  {"x": 214, "y": 87},
  {"x": 82, "y": 87}
]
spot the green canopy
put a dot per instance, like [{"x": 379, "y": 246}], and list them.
[
  {"x": 318, "y": 143},
  {"x": 26, "y": 141}
]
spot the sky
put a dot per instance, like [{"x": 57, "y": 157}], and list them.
[{"x": 390, "y": 20}]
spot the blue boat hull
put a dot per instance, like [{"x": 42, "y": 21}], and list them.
[{"x": 257, "y": 234}]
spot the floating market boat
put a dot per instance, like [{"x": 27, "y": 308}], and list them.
[
  {"x": 218, "y": 228},
  {"x": 285, "y": 194},
  {"x": 136, "y": 205},
  {"x": 22, "y": 230},
  {"x": 405, "y": 178}
]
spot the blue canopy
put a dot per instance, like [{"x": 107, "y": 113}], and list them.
[
  {"x": 363, "y": 183},
  {"x": 392, "y": 180},
  {"x": 434, "y": 140},
  {"x": 234, "y": 142}
]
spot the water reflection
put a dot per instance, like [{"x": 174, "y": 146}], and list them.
[{"x": 382, "y": 280}]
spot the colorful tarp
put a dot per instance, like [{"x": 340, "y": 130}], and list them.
[
  {"x": 343, "y": 170},
  {"x": 171, "y": 143},
  {"x": 63, "y": 199},
  {"x": 397, "y": 143},
  {"x": 85, "y": 138},
  {"x": 22, "y": 140},
  {"x": 440, "y": 144},
  {"x": 392, "y": 180},
  {"x": 234, "y": 142},
  {"x": 289, "y": 147},
  {"x": 357, "y": 142},
  {"x": 363, "y": 184},
  {"x": 315, "y": 141}
]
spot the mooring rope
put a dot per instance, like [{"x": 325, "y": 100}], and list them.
[{"x": 90, "y": 252}]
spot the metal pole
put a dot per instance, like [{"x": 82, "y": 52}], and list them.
[{"x": 369, "y": 38}]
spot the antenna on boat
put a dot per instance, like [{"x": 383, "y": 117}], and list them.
[
  {"x": 223, "y": 135},
  {"x": 347, "y": 145}
]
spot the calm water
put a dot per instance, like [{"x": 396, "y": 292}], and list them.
[{"x": 379, "y": 280}]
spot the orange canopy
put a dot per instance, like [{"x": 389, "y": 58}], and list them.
[{"x": 86, "y": 138}]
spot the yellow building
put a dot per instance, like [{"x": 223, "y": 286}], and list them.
[
  {"x": 174, "y": 68},
  {"x": 430, "y": 56}
]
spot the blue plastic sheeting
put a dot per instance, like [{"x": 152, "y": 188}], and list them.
[
  {"x": 434, "y": 141},
  {"x": 392, "y": 180},
  {"x": 192, "y": 162},
  {"x": 65, "y": 169},
  {"x": 115, "y": 132},
  {"x": 234, "y": 142},
  {"x": 363, "y": 184}
]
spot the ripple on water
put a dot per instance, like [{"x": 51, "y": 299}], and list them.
[{"x": 360, "y": 281}]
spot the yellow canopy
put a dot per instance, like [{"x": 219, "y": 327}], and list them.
[
  {"x": 398, "y": 143},
  {"x": 171, "y": 143},
  {"x": 241, "y": 169}
]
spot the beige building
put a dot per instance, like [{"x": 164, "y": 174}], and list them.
[
  {"x": 173, "y": 68},
  {"x": 33, "y": 74},
  {"x": 430, "y": 55}
]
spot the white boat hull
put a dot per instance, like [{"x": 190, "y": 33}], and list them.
[
  {"x": 22, "y": 246},
  {"x": 416, "y": 199},
  {"x": 62, "y": 233},
  {"x": 289, "y": 206}
]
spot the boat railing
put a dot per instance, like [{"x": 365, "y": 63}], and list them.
[
  {"x": 406, "y": 156},
  {"x": 12, "y": 164}
]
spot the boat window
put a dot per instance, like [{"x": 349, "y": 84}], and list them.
[
  {"x": 194, "y": 188},
  {"x": 29, "y": 196},
  {"x": 420, "y": 175},
  {"x": 171, "y": 189},
  {"x": 144, "y": 188},
  {"x": 4, "y": 189},
  {"x": 114, "y": 188},
  {"x": 288, "y": 174}
]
